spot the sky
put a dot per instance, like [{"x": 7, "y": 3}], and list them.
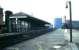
[{"x": 46, "y": 10}]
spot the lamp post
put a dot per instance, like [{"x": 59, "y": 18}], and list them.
[{"x": 70, "y": 12}]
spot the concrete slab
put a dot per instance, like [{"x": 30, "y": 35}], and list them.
[
  {"x": 75, "y": 35},
  {"x": 45, "y": 42}
]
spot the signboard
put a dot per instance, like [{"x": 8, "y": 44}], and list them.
[{"x": 18, "y": 17}]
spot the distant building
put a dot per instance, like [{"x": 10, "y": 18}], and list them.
[
  {"x": 22, "y": 22},
  {"x": 1, "y": 19},
  {"x": 75, "y": 24},
  {"x": 1, "y": 16},
  {"x": 57, "y": 22}
]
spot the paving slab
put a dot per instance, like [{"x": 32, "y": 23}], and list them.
[{"x": 44, "y": 42}]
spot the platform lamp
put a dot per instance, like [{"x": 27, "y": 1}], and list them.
[{"x": 70, "y": 15}]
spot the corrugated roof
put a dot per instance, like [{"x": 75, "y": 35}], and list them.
[
  {"x": 30, "y": 18},
  {"x": 20, "y": 14}
]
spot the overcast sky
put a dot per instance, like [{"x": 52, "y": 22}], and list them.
[{"x": 43, "y": 9}]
